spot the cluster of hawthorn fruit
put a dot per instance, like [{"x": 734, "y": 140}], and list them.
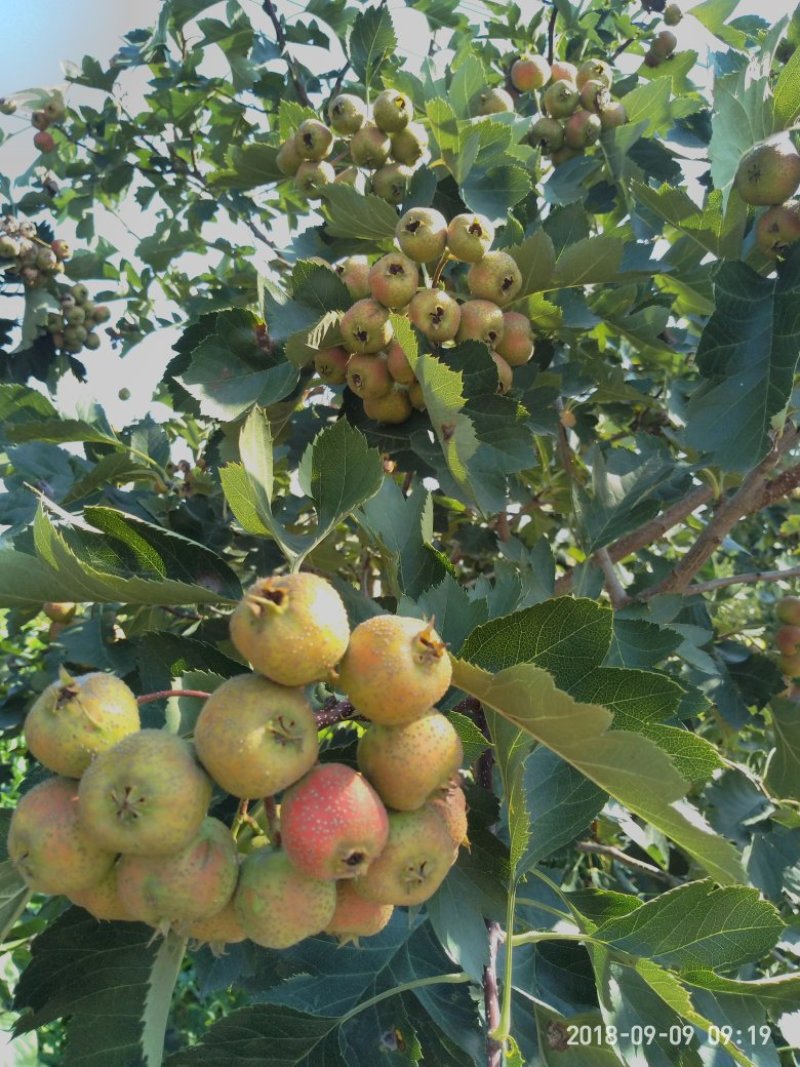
[
  {"x": 51, "y": 112},
  {"x": 373, "y": 363},
  {"x": 787, "y": 637},
  {"x": 36, "y": 262},
  {"x": 768, "y": 176},
  {"x": 122, "y": 827},
  {"x": 389, "y": 145}
]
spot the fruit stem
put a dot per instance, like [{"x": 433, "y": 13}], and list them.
[
  {"x": 437, "y": 274},
  {"x": 502, "y": 1031},
  {"x": 148, "y": 698},
  {"x": 239, "y": 818},
  {"x": 271, "y": 813},
  {"x": 454, "y": 978}
]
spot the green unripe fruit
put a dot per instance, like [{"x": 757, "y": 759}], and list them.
[
  {"x": 92, "y": 342},
  {"x": 787, "y": 610},
  {"x": 414, "y": 863},
  {"x": 392, "y": 111},
  {"x": 39, "y": 120},
  {"x": 393, "y": 407},
  {"x": 124, "y": 393},
  {"x": 276, "y": 904},
  {"x": 76, "y": 718},
  {"x": 594, "y": 70},
  {"x": 469, "y": 237},
  {"x": 368, "y": 376},
  {"x": 354, "y": 272},
  {"x": 288, "y": 158},
  {"x": 672, "y": 14},
  {"x": 561, "y": 99},
  {"x": 768, "y": 173},
  {"x": 393, "y": 280},
  {"x": 436, "y": 314},
  {"x": 80, "y": 292},
  {"x": 613, "y": 114},
  {"x": 312, "y": 176},
  {"x": 664, "y": 44},
  {"x": 292, "y": 628},
  {"x": 546, "y": 133},
  {"x": 75, "y": 316},
  {"x": 75, "y": 335},
  {"x": 422, "y": 234},
  {"x": 347, "y": 113},
  {"x": 365, "y": 327},
  {"x": 331, "y": 365},
  {"x": 370, "y": 147},
  {"x": 8, "y": 247},
  {"x": 7, "y": 107},
  {"x": 495, "y": 102},
  {"x": 407, "y": 763},
  {"x": 481, "y": 320},
  {"x": 391, "y": 181},
  {"x": 313, "y": 140},
  {"x": 778, "y": 229},
  {"x": 497, "y": 278},
  {"x": 47, "y": 260},
  {"x": 410, "y": 144},
  {"x": 594, "y": 96},
  {"x": 582, "y": 129}
]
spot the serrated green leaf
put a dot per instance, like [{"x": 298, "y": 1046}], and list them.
[
  {"x": 467, "y": 82},
  {"x": 786, "y": 100},
  {"x": 495, "y": 190},
  {"x": 354, "y": 215},
  {"x": 783, "y": 770},
  {"x": 713, "y": 14},
  {"x": 372, "y": 41},
  {"x": 536, "y": 260},
  {"x": 592, "y": 260}
]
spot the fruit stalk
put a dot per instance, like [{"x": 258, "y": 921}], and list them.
[{"x": 162, "y": 694}]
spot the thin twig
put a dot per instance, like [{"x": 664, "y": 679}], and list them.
[
  {"x": 742, "y": 579},
  {"x": 491, "y": 996},
  {"x": 617, "y": 854},
  {"x": 551, "y": 33},
  {"x": 280, "y": 36},
  {"x": 616, "y": 593},
  {"x": 162, "y": 694}
]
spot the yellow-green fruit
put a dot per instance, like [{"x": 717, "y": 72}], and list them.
[
  {"x": 365, "y": 327},
  {"x": 672, "y": 14},
  {"x": 664, "y": 44},
  {"x": 393, "y": 280},
  {"x": 768, "y": 173},
  {"x": 59, "y": 611},
  {"x": 481, "y": 320},
  {"x": 395, "y": 669},
  {"x": 331, "y": 365},
  {"x": 516, "y": 343},
  {"x": 497, "y": 278},
  {"x": 494, "y": 102},
  {"x": 410, "y": 144},
  {"x": 778, "y": 229},
  {"x": 393, "y": 408},
  {"x": 276, "y": 904},
  {"x": 370, "y": 147},
  {"x": 416, "y": 396},
  {"x": 450, "y": 805},
  {"x": 469, "y": 237},
  {"x": 288, "y": 159},
  {"x": 221, "y": 929},
  {"x": 254, "y": 737},
  {"x": 347, "y": 113},
  {"x": 392, "y": 111},
  {"x": 48, "y": 845},
  {"x": 613, "y": 114},
  {"x": 292, "y": 628},
  {"x": 408, "y": 763},
  {"x": 788, "y": 610},
  {"x": 436, "y": 314},
  {"x": 312, "y": 176},
  {"x": 313, "y": 139},
  {"x": 414, "y": 863},
  {"x": 368, "y": 377},
  {"x": 147, "y": 795},
  {"x": 194, "y": 883},
  {"x": 422, "y": 234},
  {"x": 102, "y": 900},
  {"x": 356, "y": 917},
  {"x": 354, "y": 272},
  {"x": 76, "y": 718},
  {"x": 391, "y": 181},
  {"x": 596, "y": 70}
]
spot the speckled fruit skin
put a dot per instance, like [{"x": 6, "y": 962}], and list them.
[
  {"x": 407, "y": 763},
  {"x": 516, "y": 343},
  {"x": 354, "y": 272},
  {"x": 75, "y": 718},
  {"x": 395, "y": 669},
  {"x": 102, "y": 900},
  {"x": 347, "y": 113},
  {"x": 147, "y": 795},
  {"x": 356, "y": 917},
  {"x": 194, "y": 883},
  {"x": 436, "y": 314},
  {"x": 393, "y": 408},
  {"x": 255, "y": 737},
  {"x": 278, "y": 905},
  {"x": 368, "y": 376},
  {"x": 313, "y": 139},
  {"x": 333, "y": 823},
  {"x": 393, "y": 280},
  {"x": 496, "y": 278},
  {"x": 224, "y": 928},
  {"x": 469, "y": 237},
  {"x": 292, "y": 628},
  {"x": 415, "y": 862},
  {"x": 530, "y": 72},
  {"x": 48, "y": 845},
  {"x": 365, "y": 327},
  {"x": 370, "y": 147},
  {"x": 331, "y": 365},
  {"x": 410, "y": 144},
  {"x": 788, "y": 610},
  {"x": 450, "y": 804},
  {"x": 422, "y": 234},
  {"x": 481, "y": 320},
  {"x": 392, "y": 111}
]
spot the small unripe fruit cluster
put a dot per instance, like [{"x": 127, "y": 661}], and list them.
[
  {"x": 787, "y": 637},
  {"x": 122, "y": 827},
  {"x": 664, "y": 43},
  {"x": 52, "y": 112},
  {"x": 74, "y": 325},
  {"x": 768, "y": 176},
  {"x": 24, "y": 253},
  {"x": 576, "y": 103},
  {"x": 387, "y": 144},
  {"x": 372, "y": 363}
]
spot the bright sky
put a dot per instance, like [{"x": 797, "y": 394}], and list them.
[{"x": 41, "y": 34}]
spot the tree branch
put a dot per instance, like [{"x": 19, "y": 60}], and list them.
[
  {"x": 614, "y": 588},
  {"x": 742, "y": 579},
  {"x": 280, "y": 37},
  {"x": 658, "y": 526},
  {"x": 551, "y": 33},
  {"x": 617, "y": 854},
  {"x": 745, "y": 500}
]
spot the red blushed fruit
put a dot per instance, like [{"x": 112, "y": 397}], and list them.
[
  {"x": 788, "y": 610},
  {"x": 397, "y": 364},
  {"x": 292, "y": 628},
  {"x": 395, "y": 668},
  {"x": 354, "y": 272},
  {"x": 331, "y": 365},
  {"x": 366, "y": 328},
  {"x": 355, "y": 917},
  {"x": 333, "y": 823},
  {"x": 516, "y": 343},
  {"x": 530, "y": 72},
  {"x": 368, "y": 377},
  {"x": 504, "y": 374},
  {"x": 44, "y": 141},
  {"x": 563, "y": 71},
  {"x": 788, "y": 640},
  {"x": 481, "y": 320}
]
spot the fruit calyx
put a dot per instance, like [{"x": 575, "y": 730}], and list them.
[{"x": 427, "y": 647}]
